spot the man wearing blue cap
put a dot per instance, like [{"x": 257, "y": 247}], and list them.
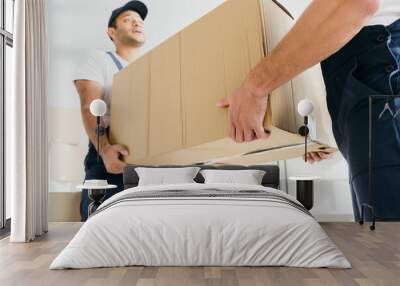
[{"x": 93, "y": 80}]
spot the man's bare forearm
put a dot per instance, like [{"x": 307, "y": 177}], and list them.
[
  {"x": 323, "y": 29},
  {"x": 89, "y": 122},
  {"x": 89, "y": 91}
]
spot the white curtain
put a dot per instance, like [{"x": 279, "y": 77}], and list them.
[{"x": 27, "y": 117}]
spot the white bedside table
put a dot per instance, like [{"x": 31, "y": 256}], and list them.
[
  {"x": 96, "y": 195},
  {"x": 305, "y": 190}
]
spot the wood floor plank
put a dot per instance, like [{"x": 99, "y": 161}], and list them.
[{"x": 375, "y": 258}]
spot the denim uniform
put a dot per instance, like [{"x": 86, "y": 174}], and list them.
[
  {"x": 96, "y": 170},
  {"x": 368, "y": 65}
]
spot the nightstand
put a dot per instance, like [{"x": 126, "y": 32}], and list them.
[
  {"x": 305, "y": 190},
  {"x": 96, "y": 194}
]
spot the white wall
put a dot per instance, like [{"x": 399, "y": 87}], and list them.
[
  {"x": 76, "y": 26},
  {"x": 296, "y": 7}
]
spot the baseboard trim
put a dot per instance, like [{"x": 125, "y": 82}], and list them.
[{"x": 334, "y": 217}]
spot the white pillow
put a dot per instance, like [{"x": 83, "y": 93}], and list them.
[
  {"x": 163, "y": 176},
  {"x": 247, "y": 177}
]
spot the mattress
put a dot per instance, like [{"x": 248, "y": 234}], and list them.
[{"x": 201, "y": 225}]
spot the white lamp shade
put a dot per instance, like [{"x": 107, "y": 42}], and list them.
[
  {"x": 305, "y": 107},
  {"x": 98, "y": 107}
]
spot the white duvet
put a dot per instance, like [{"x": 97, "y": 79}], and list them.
[{"x": 200, "y": 231}]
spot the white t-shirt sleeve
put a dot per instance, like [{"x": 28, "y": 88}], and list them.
[{"x": 92, "y": 67}]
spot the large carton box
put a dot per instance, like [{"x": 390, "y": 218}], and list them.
[{"x": 163, "y": 106}]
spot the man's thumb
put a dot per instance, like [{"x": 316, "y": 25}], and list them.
[
  {"x": 223, "y": 103},
  {"x": 121, "y": 149}
]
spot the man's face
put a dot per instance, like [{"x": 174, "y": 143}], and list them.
[{"x": 129, "y": 30}]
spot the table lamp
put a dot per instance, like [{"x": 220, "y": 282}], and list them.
[
  {"x": 305, "y": 108},
  {"x": 98, "y": 108}
]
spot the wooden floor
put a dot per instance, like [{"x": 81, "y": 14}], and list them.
[{"x": 375, "y": 257}]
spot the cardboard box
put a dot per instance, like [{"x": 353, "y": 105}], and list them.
[
  {"x": 309, "y": 84},
  {"x": 163, "y": 106}
]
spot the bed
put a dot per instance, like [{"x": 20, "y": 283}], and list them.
[{"x": 201, "y": 224}]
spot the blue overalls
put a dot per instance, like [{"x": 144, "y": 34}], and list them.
[
  {"x": 368, "y": 65},
  {"x": 97, "y": 170}
]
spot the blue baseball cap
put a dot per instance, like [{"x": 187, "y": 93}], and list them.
[{"x": 136, "y": 6}]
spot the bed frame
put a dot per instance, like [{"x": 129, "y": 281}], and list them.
[{"x": 271, "y": 178}]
